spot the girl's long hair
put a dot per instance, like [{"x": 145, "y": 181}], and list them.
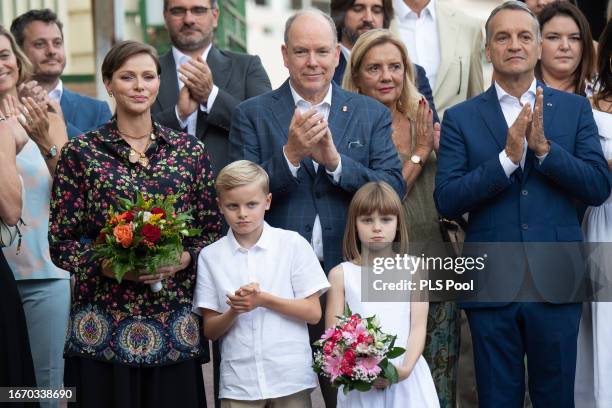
[{"x": 371, "y": 197}]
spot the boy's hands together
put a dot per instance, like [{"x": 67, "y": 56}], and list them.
[{"x": 246, "y": 298}]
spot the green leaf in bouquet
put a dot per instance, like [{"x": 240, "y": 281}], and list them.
[
  {"x": 389, "y": 371},
  {"x": 395, "y": 352},
  {"x": 193, "y": 232},
  {"x": 347, "y": 310},
  {"x": 392, "y": 342},
  {"x": 125, "y": 204},
  {"x": 362, "y": 386},
  {"x": 120, "y": 269}
]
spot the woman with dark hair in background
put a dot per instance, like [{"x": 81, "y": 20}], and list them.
[
  {"x": 594, "y": 365},
  {"x": 568, "y": 54},
  {"x": 128, "y": 346},
  {"x": 538, "y": 5}
]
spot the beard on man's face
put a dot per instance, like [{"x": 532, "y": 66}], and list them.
[
  {"x": 353, "y": 35},
  {"x": 192, "y": 43}
]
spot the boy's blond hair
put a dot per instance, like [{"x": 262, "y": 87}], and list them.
[{"x": 242, "y": 173}]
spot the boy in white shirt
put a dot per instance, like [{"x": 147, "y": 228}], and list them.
[{"x": 256, "y": 289}]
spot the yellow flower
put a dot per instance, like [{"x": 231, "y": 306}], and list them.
[{"x": 154, "y": 219}]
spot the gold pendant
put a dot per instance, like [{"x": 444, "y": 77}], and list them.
[
  {"x": 143, "y": 161},
  {"x": 134, "y": 156}
]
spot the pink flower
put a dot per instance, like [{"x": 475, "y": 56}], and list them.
[
  {"x": 369, "y": 365},
  {"x": 328, "y": 333},
  {"x": 332, "y": 366},
  {"x": 329, "y": 347},
  {"x": 353, "y": 335}
]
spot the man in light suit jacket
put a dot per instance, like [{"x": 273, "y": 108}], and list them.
[
  {"x": 517, "y": 172},
  {"x": 200, "y": 84},
  {"x": 355, "y": 17},
  {"x": 445, "y": 42},
  {"x": 317, "y": 142},
  {"x": 39, "y": 34}
]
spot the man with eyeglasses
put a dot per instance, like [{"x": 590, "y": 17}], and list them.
[{"x": 200, "y": 84}]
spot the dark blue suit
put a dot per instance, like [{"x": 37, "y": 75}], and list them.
[
  {"x": 361, "y": 129},
  {"x": 82, "y": 113},
  {"x": 535, "y": 204},
  {"x": 422, "y": 83}
]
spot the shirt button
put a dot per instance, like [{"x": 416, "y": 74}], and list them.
[
  {"x": 525, "y": 226},
  {"x": 524, "y": 192}
]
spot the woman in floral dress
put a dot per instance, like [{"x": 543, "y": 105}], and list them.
[{"x": 128, "y": 346}]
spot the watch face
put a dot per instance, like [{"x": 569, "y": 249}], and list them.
[
  {"x": 415, "y": 159},
  {"x": 52, "y": 152}
]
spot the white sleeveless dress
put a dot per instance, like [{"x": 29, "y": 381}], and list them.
[
  {"x": 416, "y": 391},
  {"x": 594, "y": 366}
]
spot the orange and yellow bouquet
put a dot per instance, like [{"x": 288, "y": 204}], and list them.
[{"x": 142, "y": 236}]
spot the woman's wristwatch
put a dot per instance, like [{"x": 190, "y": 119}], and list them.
[
  {"x": 51, "y": 153},
  {"x": 416, "y": 159}
]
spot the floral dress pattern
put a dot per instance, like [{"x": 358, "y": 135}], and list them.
[{"x": 126, "y": 322}]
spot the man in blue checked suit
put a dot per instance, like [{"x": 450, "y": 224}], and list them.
[
  {"x": 39, "y": 34},
  {"x": 317, "y": 142},
  {"x": 518, "y": 171}
]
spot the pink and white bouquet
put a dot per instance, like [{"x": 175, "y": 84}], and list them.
[{"x": 355, "y": 352}]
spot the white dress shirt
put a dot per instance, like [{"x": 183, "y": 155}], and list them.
[
  {"x": 323, "y": 108},
  {"x": 56, "y": 93},
  {"x": 346, "y": 52},
  {"x": 264, "y": 354},
  {"x": 420, "y": 34},
  {"x": 511, "y": 107},
  {"x": 191, "y": 121}
]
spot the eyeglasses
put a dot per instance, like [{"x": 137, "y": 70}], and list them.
[{"x": 198, "y": 11}]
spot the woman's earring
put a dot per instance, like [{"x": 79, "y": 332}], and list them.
[{"x": 110, "y": 94}]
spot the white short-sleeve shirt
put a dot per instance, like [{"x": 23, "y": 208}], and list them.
[{"x": 264, "y": 354}]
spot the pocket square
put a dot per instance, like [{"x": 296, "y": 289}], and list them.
[{"x": 355, "y": 144}]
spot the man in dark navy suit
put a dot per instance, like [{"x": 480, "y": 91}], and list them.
[
  {"x": 201, "y": 85},
  {"x": 517, "y": 157},
  {"x": 39, "y": 34},
  {"x": 353, "y": 18}
]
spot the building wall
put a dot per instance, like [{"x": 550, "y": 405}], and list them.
[{"x": 265, "y": 34}]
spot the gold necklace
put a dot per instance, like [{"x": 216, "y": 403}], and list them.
[{"x": 140, "y": 157}]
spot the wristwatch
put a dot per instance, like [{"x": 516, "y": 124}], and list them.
[
  {"x": 52, "y": 152},
  {"x": 416, "y": 159}
]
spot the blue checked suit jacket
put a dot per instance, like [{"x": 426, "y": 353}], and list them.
[{"x": 361, "y": 129}]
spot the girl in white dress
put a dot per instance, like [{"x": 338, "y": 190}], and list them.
[
  {"x": 594, "y": 365},
  {"x": 376, "y": 219}
]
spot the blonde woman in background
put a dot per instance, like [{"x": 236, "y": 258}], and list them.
[
  {"x": 44, "y": 288},
  {"x": 381, "y": 68}
]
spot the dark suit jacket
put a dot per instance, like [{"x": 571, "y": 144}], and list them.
[
  {"x": 533, "y": 205},
  {"x": 361, "y": 129},
  {"x": 422, "y": 83},
  {"x": 238, "y": 77},
  {"x": 82, "y": 113}
]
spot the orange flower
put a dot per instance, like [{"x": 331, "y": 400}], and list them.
[
  {"x": 126, "y": 216},
  {"x": 123, "y": 235}
]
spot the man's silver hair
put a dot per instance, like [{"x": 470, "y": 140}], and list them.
[
  {"x": 315, "y": 12},
  {"x": 512, "y": 5}
]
